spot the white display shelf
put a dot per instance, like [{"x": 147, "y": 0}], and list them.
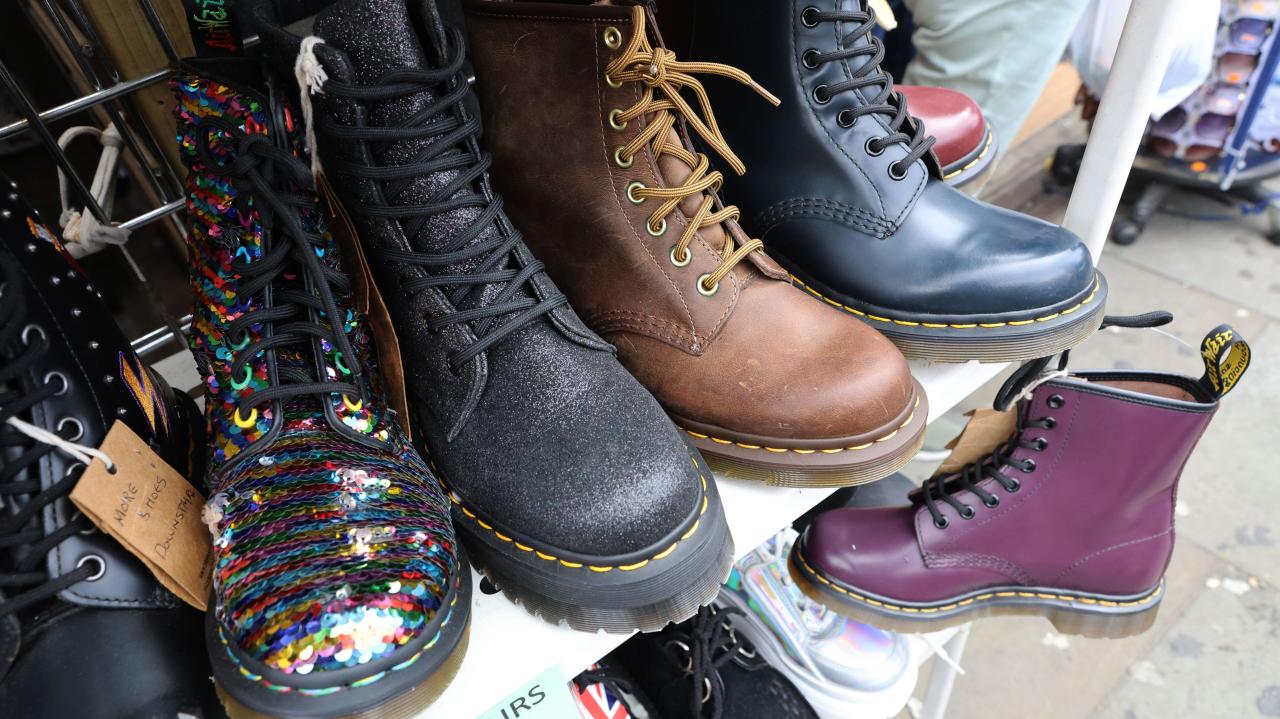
[{"x": 509, "y": 647}]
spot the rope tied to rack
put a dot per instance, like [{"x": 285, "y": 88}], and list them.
[{"x": 84, "y": 233}]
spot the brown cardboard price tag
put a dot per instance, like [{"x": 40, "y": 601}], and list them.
[
  {"x": 986, "y": 429},
  {"x": 152, "y": 511}
]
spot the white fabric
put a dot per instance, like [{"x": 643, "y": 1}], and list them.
[{"x": 311, "y": 77}]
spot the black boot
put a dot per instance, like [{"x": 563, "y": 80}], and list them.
[
  {"x": 85, "y": 630},
  {"x": 572, "y": 490},
  {"x": 842, "y": 187}
]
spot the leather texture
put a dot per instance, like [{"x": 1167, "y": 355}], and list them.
[
  {"x": 96, "y": 636},
  {"x": 756, "y": 357},
  {"x": 1095, "y": 515},
  {"x": 544, "y": 434},
  {"x": 828, "y": 208},
  {"x": 952, "y": 117}
]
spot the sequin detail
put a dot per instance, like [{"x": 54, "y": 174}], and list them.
[{"x": 328, "y": 553}]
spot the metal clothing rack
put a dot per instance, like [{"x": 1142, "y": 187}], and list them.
[{"x": 109, "y": 96}]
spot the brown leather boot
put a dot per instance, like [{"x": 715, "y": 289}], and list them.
[{"x": 584, "y": 116}]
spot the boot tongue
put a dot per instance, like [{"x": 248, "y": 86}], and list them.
[{"x": 381, "y": 36}]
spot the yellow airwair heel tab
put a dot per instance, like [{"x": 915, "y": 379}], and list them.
[{"x": 1226, "y": 357}]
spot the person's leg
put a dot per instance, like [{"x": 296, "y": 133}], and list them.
[{"x": 999, "y": 52}]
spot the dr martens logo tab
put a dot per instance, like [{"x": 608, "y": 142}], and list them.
[{"x": 1226, "y": 356}]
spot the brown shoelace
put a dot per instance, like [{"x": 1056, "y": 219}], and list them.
[{"x": 658, "y": 69}]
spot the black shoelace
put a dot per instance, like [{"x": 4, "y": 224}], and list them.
[
  {"x": 453, "y": 148},
  {"x": 710, "y": 644},
  {"x": 870, "y": 75},
  {"x": 944, "y": 488},
  {"x": 24, "y": 545},
  {"x": 282, "y": 186}
]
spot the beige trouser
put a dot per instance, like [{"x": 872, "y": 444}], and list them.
[{"x": 999, "y": 52}]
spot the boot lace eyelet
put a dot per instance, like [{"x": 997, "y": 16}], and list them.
[
  {"x": 820, "y": 95},
  {"x": 1048, "y": 423},
  {"x": 942, "y": 523},
  {"x": 631, "y": 192},
  {"x": 703, "y": 289},
  {"x": 845, "y": 118},
  {"x": 77, "y": 429},
  {"x": 680, "y": 261},
  {"x": 612, "y": 38},
  {"x": 896, "y": 171},
  {"x": 61, "y": 379},
  {"x": 97, "y": 574},
  {"x": 809, "y": 16},
  {"x": 1013, "y": 487},
  {"x": 28, "y": 330},
  {"x": 1028, "y": 466},
  {"x": 872, "y": 148},
  {"x": 992, "y": 502},
  {"x": 614, "y": 122},
  {"x": 810, "y": 59},
  {"x": 1056, "y": 401},
  {"x": 967, "y": 513},
  {"x": 1041, "y": 444}
]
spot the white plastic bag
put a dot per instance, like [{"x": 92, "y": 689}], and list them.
[{"x": 1093, "y": 47}]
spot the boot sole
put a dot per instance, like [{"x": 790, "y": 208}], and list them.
[
  {"x": 832, "y": 463},
  {"x": 1029, "y": 335},
  {"x": 1071, "y": 612},
  {"x": 970, "y": 173},
  {"x": 644, "y": 590},
  {"x": 408, "y": 684}
]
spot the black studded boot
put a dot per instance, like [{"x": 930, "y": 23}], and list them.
[{"x": 85, "y": 630}]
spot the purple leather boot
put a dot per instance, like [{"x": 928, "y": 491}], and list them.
[{"x": 1070, "y": 518}]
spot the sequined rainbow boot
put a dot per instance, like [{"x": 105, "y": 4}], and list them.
[{"x": 339, "y": 589}]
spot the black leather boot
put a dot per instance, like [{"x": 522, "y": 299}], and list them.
[
  {"x": 842, "y": 187},
  {"x": 85, "y": 630},
  {"x": 572, "y": 490}
]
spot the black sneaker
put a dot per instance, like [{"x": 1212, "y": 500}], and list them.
[
  {"x": 85, "y": 630},
  {"x": 572, "y": 490},
  {"x": 702, "y": 669}
]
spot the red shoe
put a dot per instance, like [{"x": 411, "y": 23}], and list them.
[{"x": 966, "y": 145}]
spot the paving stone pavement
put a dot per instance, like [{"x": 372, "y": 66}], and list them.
[{"x": 1215, "y": 648}]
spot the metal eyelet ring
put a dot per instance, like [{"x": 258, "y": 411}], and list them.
[
  {"x": 243, "y": 423},
  {"x": 612, "y": 38},
  {"x": 873, "y": 151},
  {"x": 967, "y": 512},
  {"x": 77, "y": 432},
  {"x": 239, "y": 384},
  {"x": 820, "y": 95},
  {"x": 992, "y": 502},
  {"x": 1028, "y": 466},
  {"x": 48, "y": 379},
  {"x": 614, "y": 122},
  {"x": 102, "y": 567},
  {"x": 688, "y": 668},
  {"x": 808, "y": 16},
  {"x": 942, "y": 524},
  {"x": 688, "y": 257},
  {"x": 702, "y": 286},
  {"x": 1049, "y": 422},
  {"x": 1013, "y": 487},
  {"x": 356, "y": 407},
  {"x": 631, "y": 192},
  {"x": 896, "y": 172},
  {"x": 1056, "y": 401},
  {"x": 92, "y": 528},
  {"x": 810, "y": 59},
  {"x": 342, "y": 367},
  {"x": 706, "y": 689},
  {"x": 658, "y": 231},
  {"x": 845, "y": 118},
  {"x": 28, "y": 329},
  {"x": 611, "y": 82},
  {"x": 617, "y": 157},
  {"x": 1041, "y": 444}
]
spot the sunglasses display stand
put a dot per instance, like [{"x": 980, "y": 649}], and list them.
[{"x": 1222, "y": 141}]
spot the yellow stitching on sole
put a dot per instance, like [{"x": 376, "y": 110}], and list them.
[
  {"x": 1097, "y": 285},
  {"x": 974, "y": 161},
  {"x": 836, "y": 450}
]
